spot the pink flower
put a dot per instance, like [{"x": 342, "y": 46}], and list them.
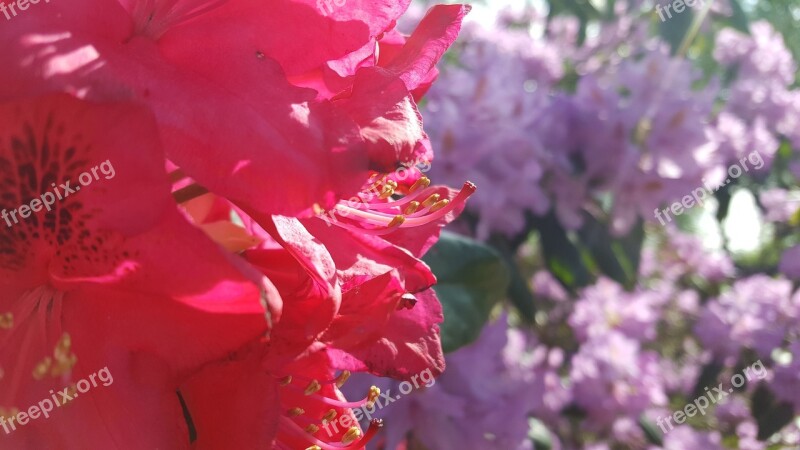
[
  {"x": 109, "y": 275},
  {"x": 215, "y": 75}
]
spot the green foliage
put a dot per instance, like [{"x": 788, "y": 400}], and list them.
[{"x": 472, "y": 279}]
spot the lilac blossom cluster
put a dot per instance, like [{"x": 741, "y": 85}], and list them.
[{"x": 640, "y": 126}]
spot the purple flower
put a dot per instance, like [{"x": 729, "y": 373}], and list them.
[
  {"x": 779, "y": 205},
  {"x": 786, "y": 379},
  {"x": 737, "y": 139},
  {"x": 790, "y": 263},
  {"x": 499, "y": 87},
  {"x": 611, "y": 377},
  {"x": 685, "y": 437},
  {"x": 643, "y": 134},
  {"x": 765, "y": 68},
  {"x": 483, "y": 399},
  {"x": 681, "y": 255},
  {"x": 605, "y": 306},
  {"x": 756, "y": 312},
  {"x": 545, "y": 285}
]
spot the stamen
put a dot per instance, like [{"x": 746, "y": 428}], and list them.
[
  {"x": 383, "y": 218},
  {"x": 339, "y": 380},
  {"x": 294, "y": 412},
  {"x": 373, "y": 395},
  {"x": 422, "y": 183},
  {"x": 387, "y": 192},
  {"x": 439, "y": 205},
  {"x": 396, "y": 204},
  {"x": 430, "y": 201},
  {"x": 397, "y": 221},
  {"x": 312, "y": 387},
  {"x": 42, "y": 368},
  {"x": 330, "y": 415},
  {"x": 6, "y": 321},
  {"x": 342, "y": 378},
  {"x": 411, "y": 208},
  {"x": 374, "y": 426},
  {"x": 353, "y": 433}
]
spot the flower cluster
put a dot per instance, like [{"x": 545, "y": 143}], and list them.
[{"x": 615, "y": 123}]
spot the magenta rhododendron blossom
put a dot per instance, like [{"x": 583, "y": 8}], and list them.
[
  {"x": 342, "y": 313},
  {"x": 168, "y": 54},
  {"x": 110, "y": 275}
]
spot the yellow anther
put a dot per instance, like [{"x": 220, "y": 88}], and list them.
[
  {"x": 286, "y": 380},
  {"x": 430, "y": 201},
  {"x": 342, "y": 378},
  {"x": 63, "y": 366},
  {"x": 392, "y": 183},
  {"x": 312, "y": 387},
  {"x": 62, "y": 349},
  {"x": 330, "y": 415},
  {"x": 294, "y": 412},
  {"x": 42, "y": 368},
  {"x": 64, "y": 359},
  {"x": 439, "y": 205},
  {"x": 374, "y": 393},
  {"x": 397, "y": 221},
  {"x": 312, "y": 429},
  {"x": 352, "y": 434},
  {"x": 6, "y": 321},
  {"x": 314, "y": 447},
  {"x": 387, "y": 192},
  {"x": 422, "y": 183},
  {"x": 411, "y": 208}
]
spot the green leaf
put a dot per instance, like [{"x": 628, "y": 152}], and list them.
[
  {"x": 674, "y": 29},
  {"x": 651, "y": 431},
  {"x": 739, "y": 18},
  {"x": 472, "y": 278},
  {"x": 539, "y": 434},
  {"x": 618, "y": 258},
  {"x": 708, "y": 377},
  {"x": 519, "y": 291},
  {"x": 563, "y": 257},
  {"x": 770, "y": 413}
]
